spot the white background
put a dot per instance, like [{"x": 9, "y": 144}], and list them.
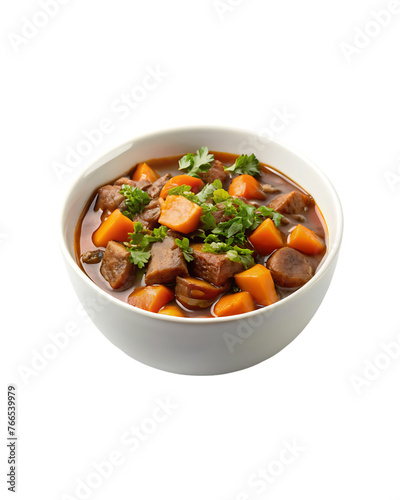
[{"x": 234, "y": 67}]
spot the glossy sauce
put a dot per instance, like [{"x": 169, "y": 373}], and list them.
[{"x": 90, "y": 220}]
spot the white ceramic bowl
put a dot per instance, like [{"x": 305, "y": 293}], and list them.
[{"x": 211, "y": 345}]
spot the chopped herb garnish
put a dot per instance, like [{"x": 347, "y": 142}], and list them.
[
  {"x": 244, "y": 218},
  {"x": 227, "y": 237},
  {"x": 207, "y": 192},
  {"x": 243, "y": 215},
  {"x": 201, "y": 197},
  {"x": 196, "y": 163},
  {"x": 268, "y": 212},
  {"x": 183, "y": 190},
  {"x": 179, "y": 190},
  {"x": 140, "y": 242},
  {"x": 207, "y": 219},
  {"x": 198, "y": 234},
  {"x": 220, "y": 195},
  {"x": 135, "y": 200},
  {"x": 184, "y": 245},
  {"x": 233, "y": 252},
  {"x": 242, "y": 255},
  {"x": 159, "y": 233},
  {"x": 245, "y": 165}
]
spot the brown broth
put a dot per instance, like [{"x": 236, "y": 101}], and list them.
[{"x": 90, "y": 220}]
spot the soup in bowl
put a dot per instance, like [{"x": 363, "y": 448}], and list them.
[{"x": 195, "y": 256}]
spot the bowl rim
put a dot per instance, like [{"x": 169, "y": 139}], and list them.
[{"x": 333, "y": 248}]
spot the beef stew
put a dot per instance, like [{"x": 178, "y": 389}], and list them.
[{"x": 201, "y": 235}]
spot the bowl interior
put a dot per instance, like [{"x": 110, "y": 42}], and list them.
[{"x": 182, "y": 141}]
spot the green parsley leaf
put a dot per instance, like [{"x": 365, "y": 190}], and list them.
[
  {"x": 208, "y": 220},
  {"x": 198, "y": 234},
  {"x": 201, "y": 197},
  {"x": 186, "y": 161},
  {"x": 268, "y": 212},
  {"x": 200, "y": 162},
  {"x": 241, "y": 255},
  {"x": 138, "y": 234},
  {"x": 184, "y": 245},
  {"x": 179, "y": 190},
  {"x": 135, "y": 200},
  {"x": 221, "y": 195},
  {"x": 183, "y": 190},
  {"x": 230, "y": 207},
  {"x": 215, "y": 247},
  {"x": 208, "y": 190},
  {"x": 159, "y": 233},
  {"x": 234, "y": 228},
  {"x": 140, "y": 242},
  {"x": 234, "y": 253},
  {"x": 245, "y": 165},
  {"x": 139, "y": 257},
  {"x": 244, "y": 218},
  {"x": 211, "y": 238}
]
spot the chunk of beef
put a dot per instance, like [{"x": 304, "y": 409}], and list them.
[
  {"x": 92, "y": 257},
  {"x": 142, "y": 184},
  {"x": 284, "y": 221},
  {"x": 290, "y": 203},
  {"x": 216, "y": 171},
  {"x": 219, "y": 215},
  {"x": 125, "y": 180},
  {"x": 109, "y": 198},
  {"x": 155, "y": 189},
  {"x": 197, "y": 294},
  {"x": 215, "y": 268},
  {"x": 289, "y": 268},
  {"x": 116, "y": 267},
  {"x": 166, "y": 263},
  {"x": 268, "y": 189},
  {"x": 299, "y": 217},
  {"x": 149, "y": 217}
]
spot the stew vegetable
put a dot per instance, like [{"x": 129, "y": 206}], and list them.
[{"x": 203, "y": 235}]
